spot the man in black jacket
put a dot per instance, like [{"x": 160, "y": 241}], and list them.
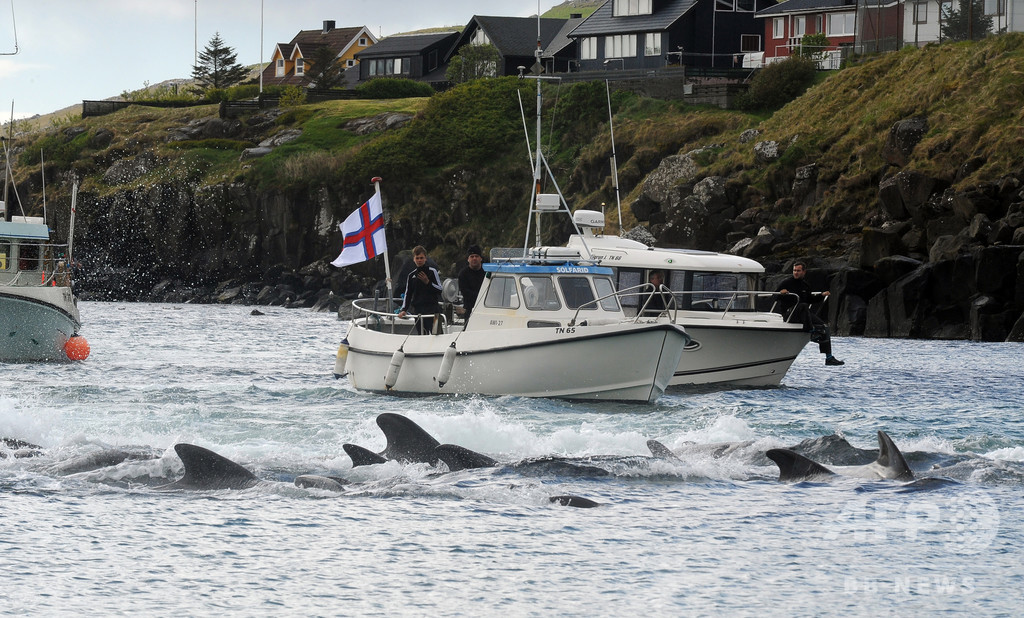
[
  {"x": 470, "y": 279},
  {"x": 422, "y": 291},
  {"x": 801, "y": 310}
]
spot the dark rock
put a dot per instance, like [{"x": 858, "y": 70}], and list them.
[
  {"x": 969, "y": 167},
  {"x": 1016, "y": 334},
  {"x": 891, "y": 200},
  {"x": 915, "y": 188},
  {"x": 946, "y": 248},
  {"x": 101, "y": 139},
  {"x": 979, "y": 229},
  {"x": 903, "y": 138},
  {"x": 997, "y": 271},
  {"x": 876, "y": 324},
  {"x": 891, "y": 268},
  {"x": 878, "y": 243},
  {"x": 643, "y": 207}
]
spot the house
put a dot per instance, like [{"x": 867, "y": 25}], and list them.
[
  {"x": 412, "y": 56},
  {"x": 290, "y": 62},
  {"x": 923, "y": 19},
  {"x": 849, "y": 26},
  {"x": 515, "y": 38},
  {"x": 649, "y": 34},
  {"x": 561, "y": 55}
]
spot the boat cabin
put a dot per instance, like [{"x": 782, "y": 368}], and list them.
[
  {"x": 545, "y": 295},
  {"x": 699, "y": 280},
  {"x": 23, "y": 243}
]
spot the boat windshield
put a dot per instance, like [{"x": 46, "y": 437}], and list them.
[
  {"x": 577, "y": 293},
  {"x": 539, "y": 294},
  {"x": 501, "y": 293},
  {"x": 5, "y": 252},
  {"x": 715, "y": 289},
  {"x": 605, "y": 288}
]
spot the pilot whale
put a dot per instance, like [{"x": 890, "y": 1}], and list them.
[
  {"x": 407, "y": 442},
  {"x": 890, "y": 464}
]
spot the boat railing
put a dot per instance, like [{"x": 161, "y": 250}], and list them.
[
  {"x": 388, "y": 321},
  {"x": 793, "y": 300},
  {"x": 725, "y": 303},
  {"x": 34, "y": 270},
  {"x": 647, "y": 290}
]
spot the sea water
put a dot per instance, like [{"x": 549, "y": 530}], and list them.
[{"x": 701, "y": 534}]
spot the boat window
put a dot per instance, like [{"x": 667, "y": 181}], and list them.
[
  {"x": 717, "y": 290},
  {"x": 577, "y": 292},
  {"x": 5, "y": 252},
  {"x": 501, "y": 293},
  {"x": 605, "y": 288},
  {"x": 539, "y": 294},
  {"x": 28, "y": 257},
  {"x": 629, "y": 278}
]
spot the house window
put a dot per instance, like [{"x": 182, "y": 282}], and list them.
[
  {"x": 995, "y": 7},
  {"x": 841, "y": 24},
  {"x": 817, "y": 24},
  {"x": 623, "y": 8},
  {"x": 778, "y": 28},
  {"x": 350, "y": 63},
  {"x": 750, "y": 43},
  {"x": 300, "y": 68},
  {"x": 279, "y": 70},
  {"x": 799, "y": 26},
  {"x": 652, "y": 44},
  {"x": 725, "y": 5},
  {"x": 620, "y": 46},
  {"x": 588, "y": 48},
  {"x": 432, "y": 60},
  {"x": 746, "y": 6},
  {"x": 479, "y": 38},
  {"x": 362, "y": 41},
  {"x": 920, "y": 12}
]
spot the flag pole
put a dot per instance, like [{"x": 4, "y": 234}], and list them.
[{"x": 387, "y": 260}]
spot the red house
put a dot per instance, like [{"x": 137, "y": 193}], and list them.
[{"x": 849, "y": 25}]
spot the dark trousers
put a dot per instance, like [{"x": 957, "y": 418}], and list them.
[{"x": 813, "y": 324}]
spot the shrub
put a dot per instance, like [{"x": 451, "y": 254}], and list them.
[
  {"x": 778, "y": 84},
  {"x": 293, "y": 96},
  {"x": 394, "y": 88}
]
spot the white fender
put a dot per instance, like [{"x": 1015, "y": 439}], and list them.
[
  {"x": 339, "y": 362},
  {"x": 396, "y": 365},
  {"x": 446, "y": 366}
]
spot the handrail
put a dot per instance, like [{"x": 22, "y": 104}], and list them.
[
  {"x": 646, "y": 288},
  {"x": 392, "y": 318}
]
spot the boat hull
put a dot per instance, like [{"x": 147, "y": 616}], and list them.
[
  {"x": 36, "y": 323},
  {"x": 739, "y": 352},
  {"x": 620, "y": 362}
]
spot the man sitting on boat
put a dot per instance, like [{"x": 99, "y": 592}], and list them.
[
  {"x": 801, "y": 310},
  {"x": 654, "y": 303},
  {"x": 422, "y": 292}
]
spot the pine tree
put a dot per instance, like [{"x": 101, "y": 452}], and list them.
[
  {"x": 326, "y": 72},
  {"x": 217, "y": 66},
  {"x": 969, "y": 21}
]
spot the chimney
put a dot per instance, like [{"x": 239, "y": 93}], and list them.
[{"x": 328, "y": 25}]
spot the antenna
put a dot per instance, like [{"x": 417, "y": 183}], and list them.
[
  {"x": 14, "y": 24},
  {"x": 615, "y": 164}
]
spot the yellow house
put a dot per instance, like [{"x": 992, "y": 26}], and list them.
[{"x": 290, "y": 62}]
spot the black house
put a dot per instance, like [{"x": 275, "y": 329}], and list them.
[
  {"x": 515, "y": 38},
  {"x": 414, "y": 56},
  {"x": 648, "y": 34}
]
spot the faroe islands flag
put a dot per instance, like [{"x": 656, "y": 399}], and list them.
[{"x": 364, "y": 233}]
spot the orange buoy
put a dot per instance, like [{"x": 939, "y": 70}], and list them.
[{"x": 77, "y": 348}]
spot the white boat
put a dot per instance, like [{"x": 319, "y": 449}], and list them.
[
  {"x": 539, "y": 329},
  {"x": 743, "y": 341},
  {"x": 38, "y": 312}
]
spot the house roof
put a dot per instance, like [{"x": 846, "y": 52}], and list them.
[
  {"x": 406, "y": 45},
  {"x": 602, "y": 21},
  {"x": 562, "y": 40},
  {"x": 513, "y": 36},
  {"x": 337, "y": 39},
  {"x": 796, "y": 7}
]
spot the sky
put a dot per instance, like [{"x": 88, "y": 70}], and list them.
[{"x": 74, "y": 50}]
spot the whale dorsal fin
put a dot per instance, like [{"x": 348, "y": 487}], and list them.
[
  {"x": 795, "y": 467},
  {"x": 407, "y": 441},
  {"x": 205, "y": 469},
  {"x": 660, "y": 451},
  {"x": 461, "y": 458},
  {"x": 362, "y": 456},
  {"x": 891, "y": 461}
]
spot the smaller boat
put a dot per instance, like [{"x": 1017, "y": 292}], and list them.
[
  {"x": 540, "y": 328},
  {"x": 38, "y": 313}
]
